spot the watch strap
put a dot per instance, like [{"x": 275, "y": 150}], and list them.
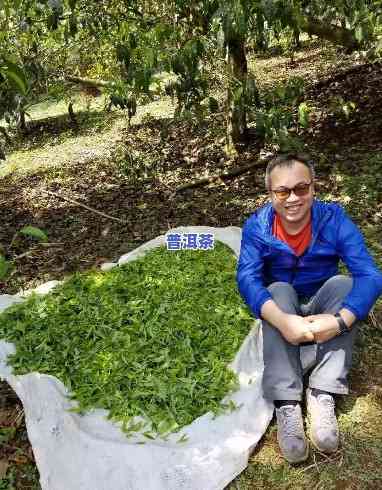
[{"x": 343, "y": 328}]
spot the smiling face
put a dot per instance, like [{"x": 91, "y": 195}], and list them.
[{"x": 294, "y": 211}]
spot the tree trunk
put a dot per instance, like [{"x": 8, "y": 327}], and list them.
[
  {"x": 236, "y": 107},
  {"x": 296, "y": 37},
  {"x": 261, "y": 41},
  {"x": 3, "y": 131},
  {"x": 335, "y": 34},
  {"x": 71, "y": 113},
  {"x": 22, "y": 124}
]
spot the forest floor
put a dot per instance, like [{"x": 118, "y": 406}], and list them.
[{"x": 132, "y": 173}]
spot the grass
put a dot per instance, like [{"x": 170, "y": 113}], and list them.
[
  {"x": 356, "y": 465},
  {"x": 23, "y": 477},
  {"x": 52, "y": 108},
  {"x": 64, "y": 148},
  {"x": 96, "y": 136},
  {"x": 311, "y": 63}
]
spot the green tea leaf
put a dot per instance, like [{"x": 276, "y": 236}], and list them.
[
  {"x": 184, "y": 438},
  {"x": 149, "y": 339}
]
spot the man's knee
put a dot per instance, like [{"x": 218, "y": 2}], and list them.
[
  {"x": 281, "y": 288},
  {"x": 340, "y": 284},
  {"x": 284, "y": 296},
  {"x": 331, "y": 295}
]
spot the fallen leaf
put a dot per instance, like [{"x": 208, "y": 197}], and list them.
[
  {"x": 3, "y": 468},
  {"x": 4, "y": 414},
  {"x": 19, "y": 459}
]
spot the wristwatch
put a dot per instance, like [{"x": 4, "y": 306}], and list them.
[{"x": 343, "y": 328}]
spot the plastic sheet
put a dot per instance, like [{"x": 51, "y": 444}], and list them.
[{"x": 75, "y": 452}]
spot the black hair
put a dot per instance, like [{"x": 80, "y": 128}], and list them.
[{"x": 288, "y": 160}]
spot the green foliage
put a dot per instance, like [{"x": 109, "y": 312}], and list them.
[
  {"x": 7, "y": 434},
  {"x": 34, "y": 232},
  {"x": 271, "y": 123},
  {"x": 252, "y": 94},
  {"x": 186, "y": 61},
  {"x": 5, "y": 267},
  {"x": 14, "y": 92},
  {"x": 151, "y": 338},
  {"x": 15, "y": 75},
  {"x": 191, "y": 85},
  {"x": 341, "y": 108},
  {"x": 8, "y": 482},
  {"x": 234, "y": 17},
  {"x": 303, "y": 114},
  {"x": 130, "y": 42},
  {"x": 213, "y": 105},
  {"x": 361, "y": 195},
  {"x": 285, "y": 93},
  {"x": 134, "y": 165},
  {"x": 275, "y": 114}
]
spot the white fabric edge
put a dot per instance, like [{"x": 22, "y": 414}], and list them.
[{"x": 233, "y": 435}]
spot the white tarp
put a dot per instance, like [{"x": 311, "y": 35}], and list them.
[{"x": 89, "y": 452}]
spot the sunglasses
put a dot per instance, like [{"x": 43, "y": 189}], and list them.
[{"x": 299, "y": 190}]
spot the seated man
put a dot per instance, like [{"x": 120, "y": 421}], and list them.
[{"x": 288, "y": 275}]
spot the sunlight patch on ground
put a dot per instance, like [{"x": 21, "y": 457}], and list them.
[
  {"x": 81, "y": 148},
  {"x": 53, "y": 108},
  {"x": 363, "y": 418}
]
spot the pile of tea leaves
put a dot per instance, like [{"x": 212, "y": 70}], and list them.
[{"x": 151, "y": 338}]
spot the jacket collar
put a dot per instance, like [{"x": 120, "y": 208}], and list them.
[{"x": 320, "y": 214}]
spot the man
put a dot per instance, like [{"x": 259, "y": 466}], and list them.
[{"x": 288, "y": 275}]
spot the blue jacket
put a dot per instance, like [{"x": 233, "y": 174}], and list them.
[{"x": 264, "y": 259}]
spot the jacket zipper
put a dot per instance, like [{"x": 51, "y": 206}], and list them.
[{"x": 296, "y": 257}]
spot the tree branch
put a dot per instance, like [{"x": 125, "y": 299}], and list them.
[
  {"x": 335, "y": 34},
  {"x": 225, "y": 174},
  {"x": 87, "y": 81},
  {"x": 54, "y": 194}
]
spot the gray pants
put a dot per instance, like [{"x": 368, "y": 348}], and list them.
[{"x": 283, "y": 373}]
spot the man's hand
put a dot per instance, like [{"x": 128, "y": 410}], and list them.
[
  {"x": 296, "y": 329},
  {"x": 324, "y": 327}
]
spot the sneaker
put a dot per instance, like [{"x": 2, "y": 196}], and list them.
[
  {"x": 323, "y": 427},
  {"x": 290, "y": 433}
]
